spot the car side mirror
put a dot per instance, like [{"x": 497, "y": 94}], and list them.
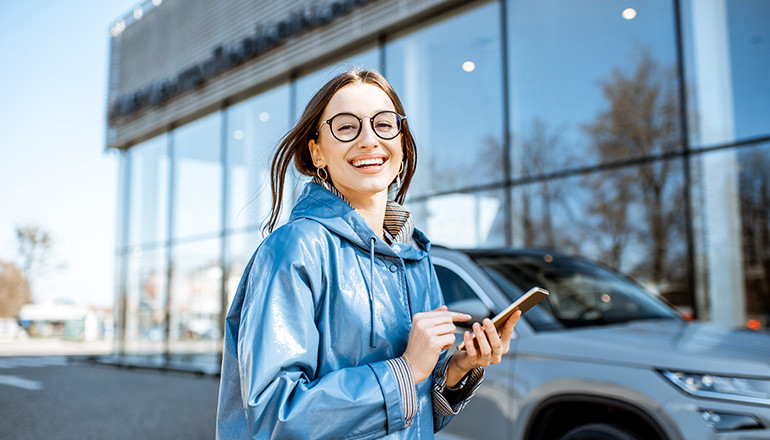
[{"x": 474, "y": 307}]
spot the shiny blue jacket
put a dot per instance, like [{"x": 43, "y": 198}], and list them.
[{"x": 322, "y": 305}]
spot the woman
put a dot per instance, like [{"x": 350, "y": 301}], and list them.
[{"x": 337, "y": 329}]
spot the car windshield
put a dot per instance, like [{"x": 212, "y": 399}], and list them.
[{"x": 581, "y": 293}]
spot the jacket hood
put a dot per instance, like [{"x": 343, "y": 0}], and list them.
[
  {"x": 664, "y": 344},
  {"x": 317, "y": 204}
]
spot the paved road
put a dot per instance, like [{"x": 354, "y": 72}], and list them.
[{"x": 52, "y": 397}]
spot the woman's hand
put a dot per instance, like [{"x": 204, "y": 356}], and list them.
[
  {"x": 488, "y": 350},
  {"x": 431, "y": 333}
]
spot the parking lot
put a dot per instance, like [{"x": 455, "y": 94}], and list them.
[{"x": 60, "y": 397}]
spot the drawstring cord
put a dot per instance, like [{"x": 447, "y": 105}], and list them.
[{"x": 371, "y": 288}]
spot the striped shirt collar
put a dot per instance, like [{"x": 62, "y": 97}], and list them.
[{"x": 398, "y": 225}]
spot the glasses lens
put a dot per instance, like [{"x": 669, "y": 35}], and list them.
[
  {"x": 387, "y": 125},
  {"x": 345, "y": 127}
]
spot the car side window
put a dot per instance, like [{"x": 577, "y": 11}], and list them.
[{"x": 453, "y": 287}]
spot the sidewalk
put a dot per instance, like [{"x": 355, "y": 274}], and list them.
[{"x": 53, "y": 347}]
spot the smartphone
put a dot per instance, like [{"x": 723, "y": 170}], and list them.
[{"x": 524, "y": 303}]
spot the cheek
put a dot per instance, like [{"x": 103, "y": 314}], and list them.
[{"x": 397, "y": 152}]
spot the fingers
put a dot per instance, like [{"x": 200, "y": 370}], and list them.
[
  {"x": 481, "y": 339},
  {"x": 507, "y": 333},
  {"x": 441, "y": 315},
  {"x": 493, "y": 339},
  {"x": 489, "y": 348},
  {"x": 470, "y": 346}
]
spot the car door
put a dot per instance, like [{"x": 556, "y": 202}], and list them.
[{"x": 489, "y": 414}]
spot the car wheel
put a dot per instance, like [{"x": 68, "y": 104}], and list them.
[{"x": 599, "y": 431}]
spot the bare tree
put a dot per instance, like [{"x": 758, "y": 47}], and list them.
[
  {"x": 35, "y": 253},
  {"x": 545, "y": 205},
  {"x": 755, "y": 212},
  {"x": 641, "y": 121}
]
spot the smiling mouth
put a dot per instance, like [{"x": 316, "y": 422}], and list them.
[{"x": 364, "y": 163}]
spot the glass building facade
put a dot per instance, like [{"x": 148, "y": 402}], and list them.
[{"x": 638, "y": 136}]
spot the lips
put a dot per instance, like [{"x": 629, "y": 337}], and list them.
[{"x": 371, "y": 162}]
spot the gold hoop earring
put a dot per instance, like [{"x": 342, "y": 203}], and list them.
[{"x": 318, "y": 173}]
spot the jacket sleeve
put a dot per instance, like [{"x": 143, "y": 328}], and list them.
[{"x": 283, "y": 394}]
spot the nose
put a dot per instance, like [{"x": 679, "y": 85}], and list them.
[{"x": 368, "y": 138}]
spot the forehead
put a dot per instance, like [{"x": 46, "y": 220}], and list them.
[{"x": 359, "y": 99}]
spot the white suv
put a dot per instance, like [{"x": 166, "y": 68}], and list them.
[{"x": 601, "y": 358}]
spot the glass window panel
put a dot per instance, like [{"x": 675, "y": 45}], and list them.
[
  {"x": 197, "y": 177},
  {"x": 589, "y": 85},
  {"x": 123, "y": 183},
  {"x": 449, "y": 78},
  {"x": 463, "y": 220},
  {"x": 308, "y": 85},
  {"x": 149, "y": 180},
  {"x": 754, "y": 183},
  {"x": 146, "y": 301},
  {"x": 749, "y": 35},
  {"x": 196, "y": 285},
  {"x": 255, "y": 128},
  {"x": 628, "y": 218}
]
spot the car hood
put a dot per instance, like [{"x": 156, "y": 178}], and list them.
[{"x": 663, "y": 344}]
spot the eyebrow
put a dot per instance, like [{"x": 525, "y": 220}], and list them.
[{"x": 355, "y": 114}]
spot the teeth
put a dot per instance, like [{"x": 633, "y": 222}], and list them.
[{"x": 365, "y": 162}]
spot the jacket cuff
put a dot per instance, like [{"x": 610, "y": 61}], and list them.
[
  {"x": 403, "y": 372},
  {"x": 391, "y": 392},
  {"x": 450, "y": 401}
]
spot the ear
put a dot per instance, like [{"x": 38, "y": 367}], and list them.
[{"x": 315, "y": 153}]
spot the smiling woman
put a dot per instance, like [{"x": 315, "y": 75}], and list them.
[{"x": 342, "y": 317}]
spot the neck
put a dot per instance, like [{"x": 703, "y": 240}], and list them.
[{"x": 372, "y": 209}]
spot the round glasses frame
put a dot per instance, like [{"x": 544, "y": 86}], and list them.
[{"x": 399, "y": 125}]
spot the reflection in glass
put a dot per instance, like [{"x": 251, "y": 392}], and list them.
[
  {"x": 196, "y": 286},
  {"x": 588, "y": 86},
  {"x": 148, "y": 206},
  {"x": 462, "y": 220},
  {"x": 197, "y": 200},
  {"x": 449, "y": 78},
  {"x": 630, "y": 219},
  {"x": 146, "y": 301},
  {"x": 754, "y": 181},
  {"x": 254, "y": 129},
  {"x": 749, "y": 35}
]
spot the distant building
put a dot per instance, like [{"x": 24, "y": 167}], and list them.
[
  {"x": 64, "y": 320},
  {"x": 636, "y": 134}
]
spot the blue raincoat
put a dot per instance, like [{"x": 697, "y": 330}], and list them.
[{"x": 321, "y": 307}]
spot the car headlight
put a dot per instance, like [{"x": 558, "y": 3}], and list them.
[{"x": 740, "y": 389}]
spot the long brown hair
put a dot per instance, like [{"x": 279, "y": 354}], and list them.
[{"x": 294, "y": 146}]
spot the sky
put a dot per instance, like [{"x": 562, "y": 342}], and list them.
[{"x": 54, "y": 170}]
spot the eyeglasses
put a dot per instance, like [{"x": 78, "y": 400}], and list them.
[{"x": 346, "y": 127}]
